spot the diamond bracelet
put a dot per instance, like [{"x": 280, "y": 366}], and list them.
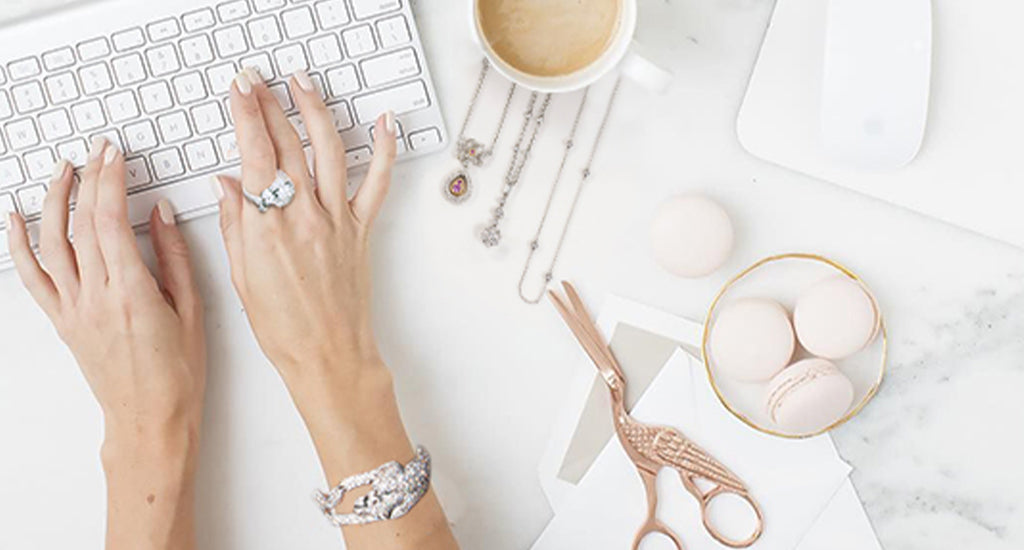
[{"x": 395, "y": 489}]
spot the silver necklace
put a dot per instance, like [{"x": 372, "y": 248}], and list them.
[
  {"x": 468, "y": 151},
  {"x": 584, "y": 176},
  {"x": 491, "y": 234}
]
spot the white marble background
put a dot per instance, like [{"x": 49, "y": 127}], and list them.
[{"x": 937, "y": 454}]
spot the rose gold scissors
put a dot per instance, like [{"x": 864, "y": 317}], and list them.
[{"x": 652, "y": 448}]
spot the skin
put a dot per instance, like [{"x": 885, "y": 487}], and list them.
[{"x": 303, "y": 275}]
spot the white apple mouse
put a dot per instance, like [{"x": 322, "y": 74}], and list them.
[{"x": 877, "y": 76}]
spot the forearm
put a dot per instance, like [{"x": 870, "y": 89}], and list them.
[
  {"x": 356, "y": 426},
  {"x": 150, "y": 485}
]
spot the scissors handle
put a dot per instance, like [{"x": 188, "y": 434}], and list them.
[
  {"x": 652, "y": 524},
  {"x": 705, "y": 502}
]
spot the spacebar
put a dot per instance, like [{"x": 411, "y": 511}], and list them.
[{"x": 185, "y": 196}]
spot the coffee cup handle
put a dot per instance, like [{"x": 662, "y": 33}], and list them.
[{"x": 645, "y": 73}]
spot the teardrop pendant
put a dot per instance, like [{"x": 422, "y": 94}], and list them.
[{"x": 458, "y": 187}]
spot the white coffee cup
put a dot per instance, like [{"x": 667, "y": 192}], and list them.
[{"x": 620, "y": 54}]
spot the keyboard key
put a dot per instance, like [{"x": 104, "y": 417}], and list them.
[
  {"x": 300, "y": 127},
  {"x": 93, "y": 49},
  {"x": 267, "y": 5},
  {"x": 358, "y": 156},
  {"x": 155, "y": 97},
  {"x": 398, "y": 131},
  {"x": 284, "y": 97},
  {"x": 28, "y": 97},
  {"x": 88, "y": 115},
  {"x": 6, "y": 206},
  {"x": 189, "y": 88},
  {"x": 221, "y": 76},
  {"x": 58, "y": 59},
  {"x": 61, "y": 88},
  {"x": 5, "y": 106},
  {"x": 200, "y": 154},
  {"x": 198, "y": 20},
  {"x": 122, "y": 106},
  {"x": 196, "y": 50},
  {"x": 390, "y": 67},
  {"x": 423, "y": 139},
  {"x": 228, "y": 144},
  {"x": 260, "y": 63},
  {"x": 10, "y": 172},
  {"x": 290, "y": 59},
  {"x": 55, "y": 125},
  {"x": 232, "y": 11},
  {"x": 128, "y": 39},
  {"x": 140, "y": 136},
  {"x": 136, "y": 173},
  {"x": 163, "y": 29},
  {"x": 365, "y": 9},
  {"x": 39, "y": 163},
  {"x": 167, "y": 164},
  {"x": 95, "y": 79},
  {"x": 174, "y": 127},
  {"x": 264, "y": 32},
  {"x": 331, "y": 13},
  {"x": 343, "y": 80},
  {"x": 163, "y": 60},
  {"x": 24, "y": 68},
  {"x": 230, "y": 41},
  {"x": 307, "y": 151},
  {"x": 22, "y": 134},
  {"x": 31, "y": 200},
  {"x": 324, "y": 50},
  {"x": 110, "y": 136},
  {"x": 358, "y": 41},
  {"x": 400, "y": 99},
  {"x": 341, "y": 116},
  {"x": 208, "y": 118},
  {"x": 393, "y": 31},
  {"x": 129, "y": 69},
  {"x": 75, "y": 152},
  {"x": 298, "y": 22}
]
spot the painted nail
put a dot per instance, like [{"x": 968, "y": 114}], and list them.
[
  {"x": 217, "y": 187},
  {"x": 389, "y": 122},
  {"x": 96, "y": 149},
  {"x": 110, "y": 155},
  {"x": 59, "y": 170},
  {"x": 243, "y": 83},
  {"x": 303, "y": 79},
  {"x": 165, "y": 211}
]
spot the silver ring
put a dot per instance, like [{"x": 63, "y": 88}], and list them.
[{"x": 279, "y": 194}]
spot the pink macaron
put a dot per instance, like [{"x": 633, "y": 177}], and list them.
[
  {"x": 752, "y": 339},
  {"x": 835, "y": 318},
  {"x": 809, "y": 396}
]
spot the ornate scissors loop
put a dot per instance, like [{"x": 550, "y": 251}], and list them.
[{"x": 652, "y": 448}]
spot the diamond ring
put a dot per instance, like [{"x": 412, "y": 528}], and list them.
[{"x": 279, "y": 194}]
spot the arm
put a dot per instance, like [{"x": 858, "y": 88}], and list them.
[
  {"x": 303, "y": 275},
  {"x": 138, "y": 340}
]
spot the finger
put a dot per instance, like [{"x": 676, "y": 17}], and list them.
[
  {"x": 368, "y": 200},
  {"x": 259, "y": 160},
  {"x": 113, "y": 231},
  {"x": 175, "y": 268},
  {"x": 328, "y": 148},
  {"x": 287, "y": 144},
  {"x": 91, "y": 268},
  {"x": 32, "y": 275},
  {"x": 229, "y": 197},
  {"x": 54, "y": 249}
]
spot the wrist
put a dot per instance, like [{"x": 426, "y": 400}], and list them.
[{"x": 166, "y": 446}]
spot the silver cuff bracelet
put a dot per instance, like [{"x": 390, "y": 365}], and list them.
[{"x": 394, "y": 491}]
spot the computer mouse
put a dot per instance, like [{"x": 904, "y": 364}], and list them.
[{"x": 877, "y": 78}]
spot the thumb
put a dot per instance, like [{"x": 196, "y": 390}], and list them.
[
  {"x": 175, "y": 268},
  {"x": 368, "y": 200}
]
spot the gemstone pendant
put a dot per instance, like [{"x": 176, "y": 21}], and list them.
[{"x": 457, "y": 187}]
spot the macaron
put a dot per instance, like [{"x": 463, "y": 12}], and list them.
[
  {"x": 752, "y": 339},
  {"x": 808, "y": 396},
  {"x": 691, "y": 236},
  {"x": 835, "y": 318}
]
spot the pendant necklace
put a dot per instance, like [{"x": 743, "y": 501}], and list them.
[
  {"x": 491, "y": 234},
  {"x": 458, "y": 186},
  {"x": 584, "y": 176}
]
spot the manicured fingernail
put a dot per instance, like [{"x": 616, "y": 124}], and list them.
[
  {"x": 96, "y": 149},
  {"x": 389, "y": 122},
  {"x": 10, "y": 219},
  {"x": 59, "y": 170},
  {"x": 110, "y": 155},
  {"x": 304, "y": 81},
  {"x": 243, "y": 83},
  {"x": 166, "y": 211},
  {"x": 217, "y": 187}
]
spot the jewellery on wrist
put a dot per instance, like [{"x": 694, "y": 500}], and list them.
[
  {"x": 395, "y": 489},
  {"x": 278, "y": 194}
]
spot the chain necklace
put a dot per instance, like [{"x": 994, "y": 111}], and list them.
[
  {"x": 491, "y": 234},
  {"x": 468, "y": 151},
  {"x": 584, "y": 176}
]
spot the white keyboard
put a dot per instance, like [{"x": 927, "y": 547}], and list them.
[{"x": 153, "y": 77}]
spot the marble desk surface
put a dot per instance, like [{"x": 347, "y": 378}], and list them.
[{"x": 937, "y": 454}]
